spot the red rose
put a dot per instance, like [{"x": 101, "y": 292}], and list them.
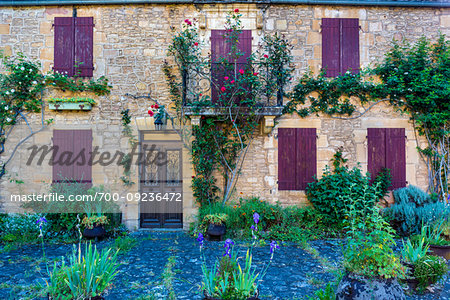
[
  {"x": 226, "y": 78},
  {"x": 255, "y": 74},
  {"x": 223, "y": 89},
  {"x": 153, "y": 106},
  {"x": 236, "y": 10},
  {"x": 203, "y": 117},
  {"x": 232, "y": 81},
  {"x": 150, "y": 112},
  {"x": 156, "y": 106},
  {"x": 241, "y": 71},
  {"x": 200, "y": 94},
  {"x": 195, "y": 44},
  {"x": 266, "y": 56}
]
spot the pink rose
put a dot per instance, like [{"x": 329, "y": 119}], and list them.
[
  {"x": 232, "y": 81},
  {"x": 223, "y": 89},
  {"x": 255, "y": 74},
  {"x": 241, "y": 71},
  {"x": 236, "y": 10},
  {"x": 195, "y": 44},
  {"x": 266, "y": 56},
  {"x": 226, "y": 78}
]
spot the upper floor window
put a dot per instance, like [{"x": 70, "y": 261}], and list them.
[
  {"x": 73, "y": 48},
  {"x": 340, "y": 46},
  {"x": 220, "y": 51}
]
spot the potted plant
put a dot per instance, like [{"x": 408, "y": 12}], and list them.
[
  {"x": 435, "y": 237},
  {"x": 412, "y": 253},
  {"x": 75, "y": 103},
  {"x": 94, "y": 226},
  {"x": 232, "y": 278},
  {"x": 214, "y": 225},
  {"x": 371, "y": 266}
]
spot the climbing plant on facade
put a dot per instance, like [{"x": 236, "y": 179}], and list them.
[
  {"x": 22, "y": 85},
  {"x": 415, "y": 79},
  {"x": 237, "y": 86}
]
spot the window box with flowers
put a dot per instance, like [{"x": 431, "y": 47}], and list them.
[{"x": 76, "y": 103}]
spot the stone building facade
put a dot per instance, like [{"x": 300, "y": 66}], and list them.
[{"x": 130, "y": 46}]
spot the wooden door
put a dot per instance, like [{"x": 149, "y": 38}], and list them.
[{"x": 161, "y": 185}]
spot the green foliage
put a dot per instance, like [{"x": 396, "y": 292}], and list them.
[
  {"x": 369, "y": 248},
  {"x": 72, "y": 100},
  {"x": 429, "y": 270},
  {"x": 329, "y": 193},
  {"x": 328, "y": 293},
  {"x": 132, "y": 142},
  {"x": 99, "y": 87},
  {"x": 22, "y": 228},
  {"x": 125, "y": 243},
  {"x": 85, "y": 276},
  {"x": 413, "y": 208},
  {"x": 413, "y": 251}
]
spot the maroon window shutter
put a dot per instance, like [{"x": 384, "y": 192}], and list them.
[
  {"x": 287, "y": 159},
  {"x": 396, "y": 156},
  {"x": 331, "y": 46},
  {"x": 62, "y": 155},
  {"x": 84, "y": 46},
  {"x": 306, "y": 156},
  {"x": 82, "y": 146},
  {"x": 64, "y": 45},
  {"x": 245, "y": 46},
  {"x": 376, "y": 151},
  {"x": 219, "y": 48},
  {"x": 350, "y": 45}
]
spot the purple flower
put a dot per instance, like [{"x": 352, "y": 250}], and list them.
[
  {"x": 227, "y": 245},
  {"x": 448, "y": 198},
  {"x": 273, "y": 246},
  {"x": 255, "y": 228},
  {"x": 200, "y": 239},
  {"x": 41, "y": 221},
  {"x": 256, "y": 217}
]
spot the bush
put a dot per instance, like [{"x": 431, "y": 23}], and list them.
[
  {"x": 413, "y": 208},
  {"x": 327, "y": 194},
  {"x": 125, "y": 243},
  {"x": 429, "y": 270},
  {"x": 22, "y": 228}
]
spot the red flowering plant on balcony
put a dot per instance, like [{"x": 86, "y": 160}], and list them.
[{"x": 228, "y": 88}]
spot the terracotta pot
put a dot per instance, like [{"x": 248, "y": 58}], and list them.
[
  {"x": 216, "y": 232},
  {"x": 442, "y": 251},
  {"x": 96, "y": 232}
]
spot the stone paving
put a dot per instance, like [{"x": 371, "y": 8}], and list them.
[{"x": 293, "y": 274}]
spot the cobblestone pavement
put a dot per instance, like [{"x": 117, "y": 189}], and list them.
[{"x": 293, "y": 274}]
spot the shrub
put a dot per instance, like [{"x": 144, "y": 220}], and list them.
[
  {"x": 328, "y": 193},
  {"x": 429, "y": 270},
  {"x": 125, "y": 243},
  {"x": 22, "y": 228},
  {"x": 414, "y": 208},
  {"x": 85, "y": 276}
]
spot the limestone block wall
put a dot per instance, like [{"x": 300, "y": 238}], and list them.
[{"x": 130, "y": 46}]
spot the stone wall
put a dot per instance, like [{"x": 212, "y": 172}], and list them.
[{"x": 130, "y": 45}]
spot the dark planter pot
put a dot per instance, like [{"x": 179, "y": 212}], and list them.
[
  {"x": 93, "y": 298},
  {"x": 216, "y": 232},
  {"x": 442, "y": 251},
  {"x": 355, "y": 287},
  {"x": 96, "y": 232},
  {"x": 212, "y": 298}
]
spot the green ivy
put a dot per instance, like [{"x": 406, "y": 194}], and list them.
[
  {"x": 72, "y": 100},
  {"x": 132, "y": 142}
]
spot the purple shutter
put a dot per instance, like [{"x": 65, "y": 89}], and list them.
[
  {"x": 62, "y": 155},
  {"x": 376, "y": 151},
  {"x": 331, "y": 46},
  {"x": 350, "y": 45},
  {"x": 219, "y": 49},
  {"x": 82, "y": 146},
  {"x": 396, "y": 156},
  {"x": 64, "y": 45},
  {"x": 306, "y": 156},
  {"x": 84, "y": 46},
  {"x": 286, "y": 159}
]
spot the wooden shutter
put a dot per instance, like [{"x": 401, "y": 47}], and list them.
[
  {"x": 396, "y": 156},
  {"x": 219, "y": 49},
  {"x": 306, "y": 156},
  {"x": 350, "y": 45},
  {"x": 82, "y": 146},
  {"x": 376, "y": 151},
  {"x": 84, "y": 46},
  {"x": 62, "y": 155},
  {"x": 64, "y": 45},
  {"x": 331, "y": 46},
  {"x": 287, "y": 159}
]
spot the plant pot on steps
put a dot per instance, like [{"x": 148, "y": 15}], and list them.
[
  {"x": 95, "y": 232},
  {"x": 216, "y": 232},
  {"x": 356, "y": 287},
  {"x": 442, "y": 251}
]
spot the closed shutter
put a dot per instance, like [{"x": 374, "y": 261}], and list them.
[
  {"x": 219, "y": 49},
  {"x": 62, "y": 155},
  {"x": 306, "y": 156},
  {"x": 82, "y": 146},
  {"x": 350, "y": 45},
  {"x": 71, "y": 161},
  {"x": 376, "y": 151},
  {"x": 331, "y": 47},
  {"x": 287, "y": 159},
  {"x": 84, "y": 46},
  {"x": 64, "y": 45},
  {"x": 396, "y": 156}
]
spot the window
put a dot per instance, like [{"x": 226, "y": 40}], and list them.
[
  {"x": 386, "y": 149},
  {"x": 71, "y": 156},
  {"x": 340, "y": 46},
  {"x": 220, "y": 48},
  {"x": 73, "y": 50},
  {"x": 296, "y": 157}
]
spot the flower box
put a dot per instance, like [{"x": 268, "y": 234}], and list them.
[{"x": 70, "y": 106}]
